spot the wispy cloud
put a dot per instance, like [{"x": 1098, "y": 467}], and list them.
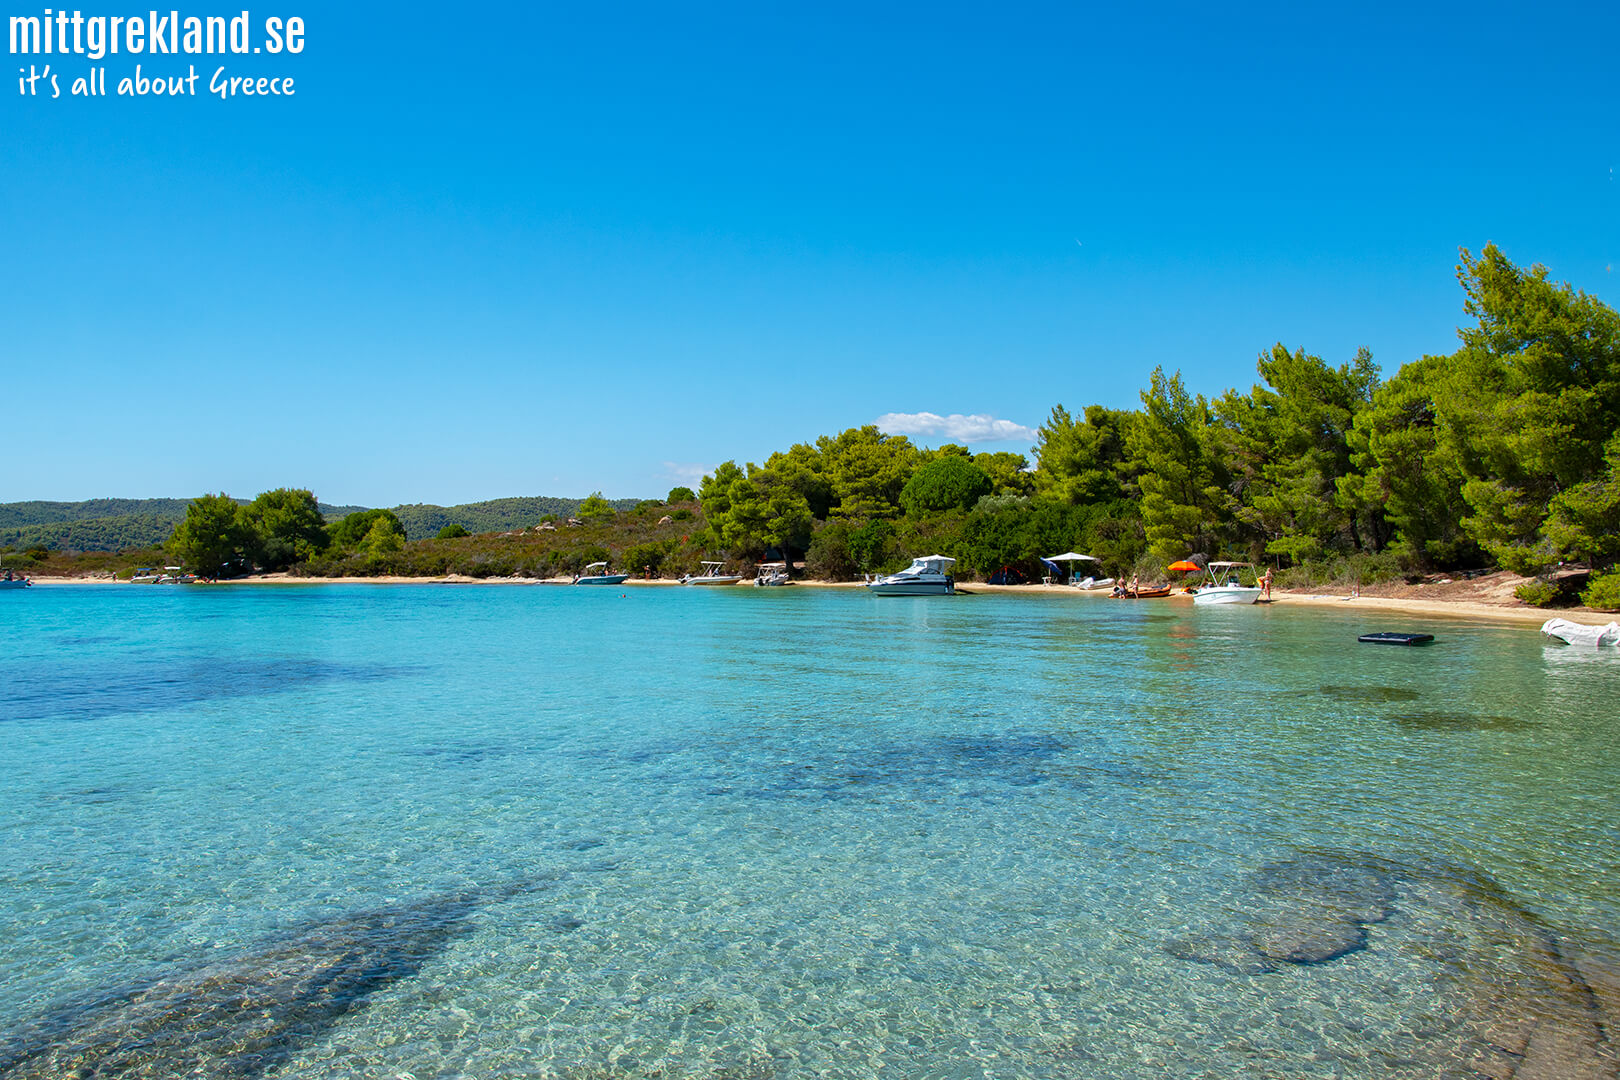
[
  {"x": 977, "y": 428},
  {"x": 687, "y": 473}
]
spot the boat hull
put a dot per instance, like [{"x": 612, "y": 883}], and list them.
[
  {"x": 712, "y": 581},
  {"x": 603, "y": 579},
  {"x": 18, "y": 583},
  {"x": 1226, "y": 594},
  {"x": 911, "y": 588}
]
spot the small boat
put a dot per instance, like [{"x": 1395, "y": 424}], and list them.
[
  {"x": 711, "y": 576},
  {"x": 176, "y": 575},
  {"x": 146, "y": 575},
  {"x": 773, "y": 573},
  {"x": 929, "y": 575},
  {"x": 1125, "y": 592},
  {"x": 1222, "y": 586},
  {"x": 1574, "y": 633},
  {"x": 1389, "y": 637},
  {"x": 596, "y": 574},
  {"x": 9, "y": 580}
]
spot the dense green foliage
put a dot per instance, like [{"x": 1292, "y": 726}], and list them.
[
  {"x": 212, "y": 538},
  {"x": 1505, "y": 451},
  {"x": 423, "y": 520},
  {"x": 285, "y": 526}
]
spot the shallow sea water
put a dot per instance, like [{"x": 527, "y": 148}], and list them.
[{"x": 787, "y": 832}]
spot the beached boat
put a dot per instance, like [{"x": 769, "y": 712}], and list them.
[
  {"x": 596, "y": 574},
  {"x": 772, "y": 573},
  {"x": 929, "y": 575},
  {"x": 711, "y": 576},
  {"x": 8, "y": 580},
  {"x": 1125, "y": 592},
  {"x": 1574, "y": 633},
  {"x": 1221, "y": 585}
]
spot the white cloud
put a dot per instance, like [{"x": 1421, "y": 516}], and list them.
[
  {"x": 687, "y": 473},
  {"x": 977, "y": 428}
]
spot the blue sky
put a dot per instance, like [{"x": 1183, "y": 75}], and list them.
[{"x": 547, "y": 249}]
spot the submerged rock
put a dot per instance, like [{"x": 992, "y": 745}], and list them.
[
  {"x": 239, "y": 1017},
  {"x": 1304, "y": 911},
  {"x": 1375, "y": 694},
  {"x": 1528, "y": 1004}
]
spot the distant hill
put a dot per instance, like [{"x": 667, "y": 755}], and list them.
[
  {"x": 422, "y": 520},
  {"x": 115, "y": 524}
]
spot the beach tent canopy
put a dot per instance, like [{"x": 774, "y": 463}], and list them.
[{"x": 1070, "y": 556}]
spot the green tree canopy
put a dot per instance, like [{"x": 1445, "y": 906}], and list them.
[
  {"x": 1184, "y": 485},
  {"x": 453, "y": 532},
  {"x": 1530, "y": 405},
  {"x": 347, "y": 534},
  {"x": 286, "y": 527},
  {"x": 1084, "y": 461},
  {"x": 595, "y": 508},
  {"x": 1286, "y": 446},
  {"x": 212, "y": 537},
  {"x": 680, "y": 494},
  {"x": 948, "y": 482},
  {"x": 867, "y": 470}
]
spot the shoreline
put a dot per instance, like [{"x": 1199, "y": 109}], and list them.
[{"x": 1426, "y": 607}]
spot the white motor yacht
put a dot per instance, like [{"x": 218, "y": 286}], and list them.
[
  {"x": 1221, "y": 585},
  {"x": 929, "y": 575}
]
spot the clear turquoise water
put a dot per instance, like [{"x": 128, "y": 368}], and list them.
[{"x": 788, "y": 832}]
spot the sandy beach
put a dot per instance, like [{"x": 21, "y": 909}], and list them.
[{"x": 1485, "y": 599}]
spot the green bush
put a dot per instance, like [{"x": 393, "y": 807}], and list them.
[
  {"x": 1603, "y": 592},
  {"x": 1538, "y": 593},
  {"x": 683, "y": 514},
  {"x": 452, "y": 532},
  {"x": 681, "y": 494}
]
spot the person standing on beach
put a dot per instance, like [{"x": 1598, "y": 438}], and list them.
[{"x": 1265, "y": 585}]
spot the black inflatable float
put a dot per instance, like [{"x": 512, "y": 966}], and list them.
[{"x": 1389, "y": 638}]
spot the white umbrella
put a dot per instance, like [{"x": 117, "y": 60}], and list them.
[{"x": 1070, "y": 556}]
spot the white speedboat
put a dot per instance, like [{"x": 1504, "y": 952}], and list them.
[
  {"x": 773, "y": 573},
  {"x": 596, "y": 574},
  {"x": 929, "y": 575},
  {"x": 1222, "y": 586},
  {"x": 711, "y": 576}
]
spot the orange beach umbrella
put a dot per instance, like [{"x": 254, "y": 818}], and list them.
[{"x": 1184, "y": 565}]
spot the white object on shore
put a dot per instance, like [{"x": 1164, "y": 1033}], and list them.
[
  {"x": 1229, "y": 591},
  {"x": 772, "y": 573},
  {"x": 1574, "y": 633},
  {"x": 711, "y": 576},
  {"x": 596, "y": 574},
  {"x": 928, "y": 575}
]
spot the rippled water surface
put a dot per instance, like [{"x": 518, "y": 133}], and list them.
[{"x": 436, "y": 831}]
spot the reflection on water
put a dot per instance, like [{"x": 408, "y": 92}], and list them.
[{"x": 817, "y": 833}]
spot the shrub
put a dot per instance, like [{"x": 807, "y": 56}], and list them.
[
  {"x": 1603, "y": 592},
  {"x": 681, "y": 494},
  {"x": 683, "y": 514},
  {"x": 453, "y": 532},
  {"x": 1537, "y": 593}
]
